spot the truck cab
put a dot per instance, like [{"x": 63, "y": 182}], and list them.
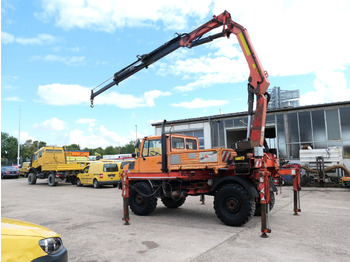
[{"x": 180, "y": 152}]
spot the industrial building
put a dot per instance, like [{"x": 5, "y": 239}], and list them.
[{"x": 287, "y": 129}]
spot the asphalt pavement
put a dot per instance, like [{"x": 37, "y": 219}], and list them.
[{"x": 90, "y": 223}]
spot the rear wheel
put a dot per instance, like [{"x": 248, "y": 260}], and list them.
[
  {"x": 173, "y": 203},
  {"x": 96, "y": 184},
  {"x": 52, "y": 180},
  {"x": 233, "y": 205},
  {"x": 31, "y": 179},
  {"x": 141, "y": 200}
]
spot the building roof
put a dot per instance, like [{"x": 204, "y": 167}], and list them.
[{"x": 238, "y": 114}]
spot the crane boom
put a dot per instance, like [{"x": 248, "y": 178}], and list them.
[{"x": 257, "y": 81}]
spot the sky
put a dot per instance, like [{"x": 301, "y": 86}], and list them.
[{"x": 53, "y": 52}]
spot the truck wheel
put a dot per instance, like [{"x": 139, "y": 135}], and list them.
[
  {"x": 51, "y": 180},
  {"x": 79, "y": 182},
  {"x": 233, "y": 205},
  {"x": 140, "y": 199},
  {"x": 96, "y": 184},
  {"x": 31, "y": 179},
  {"x": 172, "y": 203},
  {"x": 258, "y": 205}
]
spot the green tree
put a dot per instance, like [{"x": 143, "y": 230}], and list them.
[
  {"x": 29, "y": 147},
  {"x": 128, "y": 148},
  {"x": 72, "y": 147},
  {"x": 9, "y": 147},
  {"x": 110, "y": 150}
]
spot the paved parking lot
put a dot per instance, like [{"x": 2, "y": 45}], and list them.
[{"x": 89, "y": 221}]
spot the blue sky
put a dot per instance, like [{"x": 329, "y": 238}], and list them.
[{"x": 54, "y": 52}]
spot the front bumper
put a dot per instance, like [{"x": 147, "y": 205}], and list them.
[
  {"x": 104, "y": 183},
  {"x": 61, "y": 256}
]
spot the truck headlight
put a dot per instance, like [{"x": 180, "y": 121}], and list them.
[{"x": 51, "y": 245}]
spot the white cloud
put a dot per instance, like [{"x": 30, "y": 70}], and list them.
[
  {"x": 24, "y": 137},
  {"x": 209, "y": 71},
  {"x": 62, "y": 95},
  {"x": 13, "y": 99},
  {"x": 329, "y": 87},
  {"x": 200, "y": 103},
  {"x": 70, "y": 61},
  {"x": 53, "y": 124},
  {"x": 98, "y": 137},
  {"x": 90, "y": 121},
  {"x": 40, "y": 39},
  {"x": 109, "y": 15}
]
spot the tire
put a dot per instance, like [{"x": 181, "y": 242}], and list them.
[
  {"x": 142, "y": 204},
  {"x": 96, "y": 184},
  {"x": 31, "y": 179},
  {"x": 171, "y": 203},
  {"x": 233, "y": 205},
  {"x": 79, "y": 182},
  {"x": 51, "y": 180},
  {"x": 272, "y": 204}
]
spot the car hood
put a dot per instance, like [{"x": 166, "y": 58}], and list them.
[{"x": 15, "y": 227}]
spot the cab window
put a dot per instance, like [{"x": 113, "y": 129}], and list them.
[
  {"x": 178, "y": 143},
  {"x": 191, "y": 144},
  {"x": 40, "y": 154},
  {"x": 152, "y": 148},
  {"x": 86, "y": 169},
  {"x": 110, "y": 168}
]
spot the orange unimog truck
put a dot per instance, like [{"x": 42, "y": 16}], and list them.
[{"x": 172, "y": 167}]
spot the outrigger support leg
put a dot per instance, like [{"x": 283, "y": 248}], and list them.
[
  {"x": 296, "y": 189},
  {"x": 264, "y": 187},
  {"x": 125, "y": 194}
]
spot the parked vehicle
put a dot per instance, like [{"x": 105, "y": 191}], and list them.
[
  {"x": 172, "y": 167},
  {"x": 9, "y": 171},
  {"x": 130, "y": 162},
  {"x": 50, "y": 163},
  {"x": 23, "y": 241},
  {"x": 100, "y": 173},
  {"x": 24, "y": 169}
]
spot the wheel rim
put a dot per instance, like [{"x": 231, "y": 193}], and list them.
[
  {"x": 139, "y": 199},
  {"x": 232, "y": 204}
]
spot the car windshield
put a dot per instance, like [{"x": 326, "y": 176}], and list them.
[{"x": 9, "y": 168}]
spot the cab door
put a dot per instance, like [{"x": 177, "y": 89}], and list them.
[
  {"x": 150, "y": 160},
  {"x": 83, "y": 175}
]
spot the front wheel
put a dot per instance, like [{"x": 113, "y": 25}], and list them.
[
  {"x": 52, "y": 180},
  {"x": 141, "y": 200},
  {"x": 233, "y": 205},
  {"x": 79, "y": 182},
  {"x": 31, "y": 179}
]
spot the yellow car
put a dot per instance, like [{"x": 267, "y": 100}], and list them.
[
  {"x": 100, "y": 173},
  {"x": 23, "y": 241},
  {"x": 24, "y": 169}
]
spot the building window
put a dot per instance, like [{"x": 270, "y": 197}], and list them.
[
  {"x": 333, "y": 129},
  {"x": 305, "y": 127},
  {"x": 318, "y": 126},
  {"x": 345, "y": 122}
]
